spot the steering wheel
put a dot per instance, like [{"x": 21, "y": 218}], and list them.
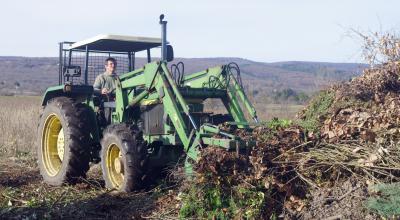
[
  {"x": 109, "y": 97},
  {"x": 105, "y": 97}
]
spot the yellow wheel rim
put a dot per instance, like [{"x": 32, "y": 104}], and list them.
[
  {"x": 115, "y": 166},
  {"x": 53, "y": 145},
  {"x": 60, "y": 144}
]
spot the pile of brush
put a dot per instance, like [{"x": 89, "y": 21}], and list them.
[
  {"x": 261, "y": 184},
  {"x": 360, "y": 131},
  {"x": 350, "y": 130}
]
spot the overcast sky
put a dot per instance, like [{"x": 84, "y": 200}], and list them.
[{"x": 264, "y": 30}]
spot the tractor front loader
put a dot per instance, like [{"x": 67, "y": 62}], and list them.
[{"x": 156, "y": 113}]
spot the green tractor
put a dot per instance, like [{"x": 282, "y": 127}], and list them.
[{"x": 154, "y": 117}]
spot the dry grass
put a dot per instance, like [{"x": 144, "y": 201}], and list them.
[
  {"x": 18, "y": 122},
  {"x": 270, "y": 111}
]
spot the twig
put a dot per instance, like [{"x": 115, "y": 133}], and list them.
[
  {"x": 306, "y": 180},
  {"x": 97, "y": 185},
  {"x": 348, "y": 193},
  {"x": 249, "y": 184},
  {"x": 303, "y": 144},
  {"x": 18, "y": 200},
  {"x": 58, "y": 199},
  {"x": 342, "y": 196}
]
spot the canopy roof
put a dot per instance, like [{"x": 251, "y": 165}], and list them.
[{"x": 117, "y": 43}]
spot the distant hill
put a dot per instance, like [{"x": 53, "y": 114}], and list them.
[{"x": 35, "y": 74}]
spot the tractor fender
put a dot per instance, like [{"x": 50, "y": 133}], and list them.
[{"x": 78, "y": 92}]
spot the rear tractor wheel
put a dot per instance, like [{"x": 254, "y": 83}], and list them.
[
  {"x": 64, "y": 141},
  {"x": 123, "y": 158}
]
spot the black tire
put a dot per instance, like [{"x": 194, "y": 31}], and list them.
[
  {"x": 133, "y": 157},
  {"x": 73, "y": 163}
]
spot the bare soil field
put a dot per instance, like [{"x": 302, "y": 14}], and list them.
[{"x": 23, "y": 195}]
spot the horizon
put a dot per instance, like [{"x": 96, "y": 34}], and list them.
[{"x": 274, "y": 62}]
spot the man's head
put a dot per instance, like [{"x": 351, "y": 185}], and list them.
[{"x": 110, "y": 65}]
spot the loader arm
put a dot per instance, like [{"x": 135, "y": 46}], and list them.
[
  {"x": 222, "y": 77},
  {"x": 155, "y": 80},
  {"x": 156, "y": 83}
]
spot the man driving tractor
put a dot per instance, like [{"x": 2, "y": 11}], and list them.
[{"x": 105, "y": 83}]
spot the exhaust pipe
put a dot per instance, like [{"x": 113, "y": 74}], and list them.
[{"x": 163, "y": 38}]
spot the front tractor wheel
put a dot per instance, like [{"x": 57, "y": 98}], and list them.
[
  {"x": 64, "y": 137},
  {"x": 123, "y": 158}
]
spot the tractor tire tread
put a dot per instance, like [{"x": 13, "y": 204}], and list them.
[
  {"x": 74, "y": 117},
  {"x": 134, "y": 151}
]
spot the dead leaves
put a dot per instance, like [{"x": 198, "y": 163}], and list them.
[
  {"x": 268, "y": 168},
  {"x": 366, "y": 108},
  {"x": 358, "y": 136}
]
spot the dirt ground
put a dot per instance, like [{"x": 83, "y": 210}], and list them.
[
  {"x": 23, "y": 195},
  {"x": 343, "y": 201}
]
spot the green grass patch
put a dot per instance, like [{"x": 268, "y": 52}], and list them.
[
  {"x": 316, "y": 111},
  {"x": 207, "y": 201},
  {"x": 276, "y": 123},
  {"x": 387, "y": 201}
]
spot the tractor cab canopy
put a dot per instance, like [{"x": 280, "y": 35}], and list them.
[
  {"x": 80, "y": 62},
  {"x": 117, "y": 43}
]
